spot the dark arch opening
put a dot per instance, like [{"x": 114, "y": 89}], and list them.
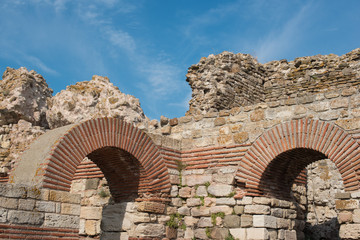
[
  {"x": 285, "y": 169},
  {"x": 125, "y": 176}
]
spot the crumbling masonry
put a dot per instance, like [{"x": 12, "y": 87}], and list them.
[{"x": 266, "y": 151}]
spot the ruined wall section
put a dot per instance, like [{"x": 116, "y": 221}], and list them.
[
  {"x": 225, "y": 81},
  {"x": 229, "y": 80}
]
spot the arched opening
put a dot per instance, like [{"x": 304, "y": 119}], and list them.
[{"x": 310, "y": 181}]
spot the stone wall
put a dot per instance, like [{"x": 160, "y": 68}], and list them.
[{"x": 27, "y": 212}]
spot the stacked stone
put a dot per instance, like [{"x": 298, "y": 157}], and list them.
[
  {"x": 210, "y": 207},
  {"x": 349, "y": 214},
  {"x": 44, "y": 210}
]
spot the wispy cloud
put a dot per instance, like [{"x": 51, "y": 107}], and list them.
[{"x": 278, "y": 42}]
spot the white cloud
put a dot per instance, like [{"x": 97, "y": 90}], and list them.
[
  {"x": 281, "y": 41},
  {"x": 120, "y": 39}
]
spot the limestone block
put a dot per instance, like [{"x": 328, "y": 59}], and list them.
[
  {"x": 347, "y": 204},
  {"x": 219, "y": 233},
  {"x": 3, "y": 215},
  {"x": 349, "y": 231},
  {"x": 225, "y": 209},
  {"x": 262, "y": 200},
  {"x": 200, "y": 212},
  {"x": 201, "y": 191},
  {"x": 61, "y": 221},
  {"x": 152, "y": 207},
  {"x": 257, "y": 209},
  {"x": 184, "y": 211},
  {"x": 225, "y": 201},
  {"x": 191, "y": 202},
  {"x": 232, "y": 221},
  {"x": 185, "y": 192},
  {"x": 190, "y": 221},
  {"x": 82, "y": 226},
  {"x": 224, "y": 178},
  {"x": 290, "y": 213},
  {"x": 164, "y": 218},
  {"x": 177, "y": 202},
  {"x": 70, "y": 209},
  {"x": 139, "y": 217},
  {"x": 92, "y": 227},
  {"x": 66, "y": 197},
  {"x": 91, "y": 213},
  {"x": 23, "y": 217},
  {"x": 239, "y": 210},
  {"x": 342, "y": 195},
  {"x": 290, "y": 235},
  {"x": 13, "y": 191},
  {"x": 204, "y": 222},
  {"x": 189, "y": 234},
  {"x": 220, "y": 190},
  {"x": 170, "y": 233},
  {"x": 264, "y": 221},
  {"x": 9, "y": 203},
  {"x": 283, "y": 223},
  {"x": 346, "y": 217},
  {"x": 257, "y": 233},
  {"x": 246, "y": 220},
  {"x": 245, "y": 201},
  {"x": 200, "y": 233},
  {"x": 115, "y": 218},
  {"x": 339, "y": 103},
  {"x": 238, "y": 233},
  {"x": 45, "y": 206},
  {"x": 174, "y": 191},
  {"x": 277, "y": 212},
  {"x": 92, "y": 183},
  {"x": 26, "y": 204},
  {"x": 171, "y": 210},
  {"x": 150, "y": 230},
  {"x": 355, "y": 216}
]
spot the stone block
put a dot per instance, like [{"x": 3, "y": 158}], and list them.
[
  {"x": 66, "y": 197},
  {"x": 232, "y": 221},
  {"x": 246, "y": 220},
  {"x": 177, "y": 202},
  {"x": 192, "y": 180},
  {"x": 266, "y": 221},
  {"x": 355, "y": 216},
  {"x": 290, "y": 235},
  {"x": 238, "y": 233},
  {"x": 152, "y": 207},
  {"x": 184, "y": 211},
  {"x": 342, "y": 195},
  {"x": 262, "y": 200},
  {"x": 355, "y": 194},
  {"x": 70, "y": 209},
  {"x": 200, "y": 212},
  {"x": 283, "y": 223},
  {"x": 225, "y": 209},
  {"x": 150, "y": 230},
  {"x": 3, "y": 215},
  {"x": 204, "y": 222},
  {"x": 8, "y": 203},
  {"x": 192, "y": 202},
  {"x": 189, "y": 234},
  {"x": 200, "y": 233},
  {"x": 239, "y": 210},
  {"x": 92, "y": 183},
  {"x": 257, "y": 233},
  {"x": 190, "y": 221},
  {"x": 201, "y": 191},
  {"x": 225, "y": 201},
  {"x": 23, "y": 217},
  {"x": 245, "y": 201},
  {"x": 26, "y": 204},
  {"x": 91, "y": 213},
  {"x": 115, "y": 218},
  {"x": 349, "y": 231},
  {"x": 220, "y": 190},
  {"x": 61, "y": 221},
  {"x": 219, "y": 233},
  {"x": 171, "y": 210},
  {"x": 257, "y": 209},
  {"x": 45, "y": 206},
  {"x": 112, "y": 235},
  {"x": 347, "y": 204},
  {"x": 174, "y": 191},
  {"x": 92, "y": 227},
  {"x": 345, "y": 217},
  {"x": 185, "y": 192},
  {"x": 13, "y": 191},
  {"x": 277, "y": 212}
]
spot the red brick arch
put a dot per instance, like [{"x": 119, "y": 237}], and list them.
[
  {"x": 296, "y": 138},
  {"x": 102, "y": 134}
]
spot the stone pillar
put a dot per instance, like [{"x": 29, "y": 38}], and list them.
[{"x": 348, "y": 205}]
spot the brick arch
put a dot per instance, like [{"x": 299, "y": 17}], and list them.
[
  {"x": 73, "y": 143},
  {"x": 315, "y": 138}
]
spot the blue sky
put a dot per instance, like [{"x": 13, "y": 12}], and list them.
[{"x": 146, "y": 46}]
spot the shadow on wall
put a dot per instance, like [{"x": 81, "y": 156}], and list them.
[
  {"x": 328, "y": 230},
  {"x": 114, "y": 221}
]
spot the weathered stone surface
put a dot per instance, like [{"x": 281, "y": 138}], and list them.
[
  {"x": 24, "y": 217},
  {"x": 200, "y": 212},
  {"x": 220, "y": 190},
  {"x": 346, "y": 216},
  {"x": 3, "y": 215},
  {"x": 191, "y": 202},
  {"x": 246, "y": 220},
  {"x": 239, "y": 210},
  {"x": 204, "y": 222},
  {"x": 26, "y": 204},
  {"x": 185, "y": 192},
  {"x": 347, "y": 204},
  {"x": 238, "y": 233},
  {"x": 265, "y": 221},
  {"x": 192, "y": 180},
  {"x": 225, "y": 209},
  {"x": 10, "y": 203},
  {"x": 219, "y": 233},
  {"x": 257, "y": 233},
  {"x": 190, "y": 221},
  {"x": 349, "y": 231},
  {"x": 90, "y": 99},
  {"x": 257, "y": 209},
  {"x": 61, "y": 221},
  {"x": 200, "y": 233},
  {"x": 45, "y": 206},
  {"x": 114, "y": 218},
  {"x": 184, "y": 210},
  {"x": 232, "y": 221},
  {"x": 91, "y": 212},
  {"x": 92, "y": 227},
  {"x": 153, "y": 207},
  {"x": 201, "y": 191},
  {"x": 150, "y": 230},
  {"x": 225, "y": 201}
]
